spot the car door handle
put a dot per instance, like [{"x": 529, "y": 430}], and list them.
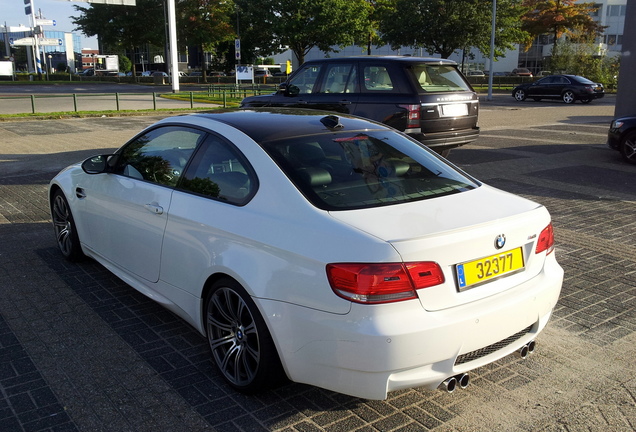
[
  {"x": 154, "y": 208},
  {"x": 345, "y": 102}
]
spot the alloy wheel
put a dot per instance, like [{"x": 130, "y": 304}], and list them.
[{"x": 233, "y": 337}]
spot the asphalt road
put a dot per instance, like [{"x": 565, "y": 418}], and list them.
[{"x": 80, "y": 350}]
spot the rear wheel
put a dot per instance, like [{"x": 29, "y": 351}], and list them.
[
  {"x": 65, "y": 229},
  {"x": 241, "y": 344},
  {"x": 520, "y": 95},
  {"x": 568, "y": 97},
  {"x": 628, "y": 147}
]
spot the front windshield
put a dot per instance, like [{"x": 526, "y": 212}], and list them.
[
  {"x": 351, "y": 170},
  {"x": 439, "y": 78}
]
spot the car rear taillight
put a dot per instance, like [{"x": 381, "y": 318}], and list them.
[
  {"x": 412, "y": 116},
  {"x": 546, "y": 240},
  {"x": 382, "y": 283}
]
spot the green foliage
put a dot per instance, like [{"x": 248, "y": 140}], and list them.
[
  {"x": 125, "y": 65},
  {"x": 444, "y": 26},
  {"x": 268, "y": 25},
  {"x": 583, "y": 59},
  {"x": 123, "y": 27},
  {"x": 206, "y": 23}
]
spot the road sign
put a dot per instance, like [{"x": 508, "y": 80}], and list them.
[
  {"x": 50, "y": 42},
  {"x": 45, "y": 22},
  {"x": 237, "y": 49},
  {"x": 22, "y": 42}
]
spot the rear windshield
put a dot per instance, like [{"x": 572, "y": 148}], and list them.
[
  {"x": 438, "y": 78},
  {"x": 352, "y": 170}
]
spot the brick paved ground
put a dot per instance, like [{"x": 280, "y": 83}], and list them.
[{"x": 80, "y": 350}]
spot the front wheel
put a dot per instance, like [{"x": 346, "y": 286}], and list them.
[
  {"x": 241, "y": 344},
  {"x": 586, "y": 100},
  {"x": 520, "y": 95},
  {"x": 568, "y": 97},
  {"x": 628, "y": 148},
  {"x": 65, "y": 230}
]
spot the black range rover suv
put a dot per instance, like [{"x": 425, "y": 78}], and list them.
[{"x": 428, "y": 98}]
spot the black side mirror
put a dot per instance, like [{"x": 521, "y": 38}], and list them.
[
  {"x": 291, "y": 90},
  {"x": 98, "y": 164}
]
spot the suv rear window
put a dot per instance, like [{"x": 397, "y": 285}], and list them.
[
  {"x": 438, "y": 78},
  {"x": 352, "y": 170}
]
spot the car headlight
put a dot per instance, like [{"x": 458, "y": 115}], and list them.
[{"x": 616, "y": 124}]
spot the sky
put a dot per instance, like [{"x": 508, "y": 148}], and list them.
[{"x": 12, "y": 13}]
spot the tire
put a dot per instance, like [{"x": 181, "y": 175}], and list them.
[
  {"x": 586, "y": 100},
  {"x": 628, "y": 147},
  {"x": 520, "y": 95},
  {"x": 241, "y": 344},
  {"x": 65, "y": 229},
  {"x": 568, "y": 97}
]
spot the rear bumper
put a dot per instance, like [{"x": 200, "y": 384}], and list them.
[
  {"x": 377, "y": 349},
  {"x": 446, "y": 140}
]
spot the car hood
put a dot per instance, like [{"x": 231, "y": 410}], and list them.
[{"x": 420, "y": 219}]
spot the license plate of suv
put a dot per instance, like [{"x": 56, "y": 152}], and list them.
[
  {"x": 473, "y": 273},
  {"x": 455, "y": 110}
]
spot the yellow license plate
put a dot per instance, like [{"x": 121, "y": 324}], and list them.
[{"x": 485, "y": 269}]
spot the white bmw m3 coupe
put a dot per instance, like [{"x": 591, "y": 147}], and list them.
[{"x": 329, "y": 250}]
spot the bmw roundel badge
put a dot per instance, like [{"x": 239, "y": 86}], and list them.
[{"x": 500, "y": 241}]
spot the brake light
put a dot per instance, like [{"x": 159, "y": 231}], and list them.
[
  {"x": 546, "y": 240},
  {"x": 412, "y": 115},
  {"x": 382, "y": 283}
]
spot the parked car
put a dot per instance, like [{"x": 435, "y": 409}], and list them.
[
  {"x": 522, "y": 72},
  {"x": 622, "y": 137},
  {"x": 159, "y": 74},
  {"x": 476, "y": 73},
  {"x": 569, "y": 88},
  {"x": 262, "y": 73},
  {"x": 428, "y": 98},
  {"x": 329, "y": 249}
]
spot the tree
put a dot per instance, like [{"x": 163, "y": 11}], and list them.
[
  {"x": 206, "y": 23},
  {"x": 270, "y": 25},
  {"x": 558, "y": 18},
  {"x": 444, "y": 26},
  {"x": 123, "y": 27}
]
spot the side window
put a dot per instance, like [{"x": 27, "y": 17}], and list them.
[
  {"x": 377, "y": 78},
  {"x": 218, "y": 170},
  {"x": 305, "y": 79},
  {"x": 160, "y": 155},
  {"x": 340, "y": 78}
]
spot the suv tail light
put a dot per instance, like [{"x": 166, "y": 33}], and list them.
[
  {"x": 412, "y": 116},
  {"x": 546, "y": 240},
  {"x": 382, "y": 283}
]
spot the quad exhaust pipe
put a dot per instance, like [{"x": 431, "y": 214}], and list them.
[
  {"x": 450, "y": 384},
  {"x": 462, "y": 380},
  {"x": 527, "y": 349}
]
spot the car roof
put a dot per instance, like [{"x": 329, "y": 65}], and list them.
[
  {"x": 399, "y": 59},
  {"x": 266, "y": 124}
]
